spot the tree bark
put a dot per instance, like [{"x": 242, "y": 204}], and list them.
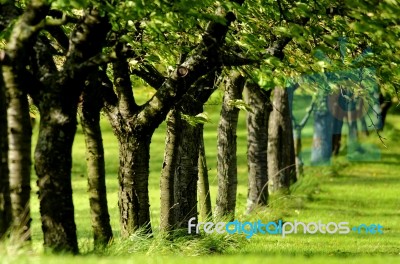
[
  {"x": 297, "y": 151},
  {"x": 352, "y": 116},
  {"x": 181, "y": 160},
  {"x": 56, "y": 96},
  {"x": 186, "y": 171},
  {"x": 203, "y": 186},
  {"x": 297, "y": 129},
  {"x": 322, "y": 139},
  {"x": 227, "y": 160},
  {"x": 337, "y": 107},
  {"x": 167, "y": 180},
  {"x": 133, "y": 175},
  {"x": 5, "y": 200},
  {"x": 281, "y": 160},
  {"x": 19, "y": 152},
  {"x": 15, "y": 58},
  {"x": 53, "y": 162},
  {"x": 90, "y": 121},
  {"x": 257, "y": 144}
]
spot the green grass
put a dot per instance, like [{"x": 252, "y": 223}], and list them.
[{"x": 357, "y": 192}]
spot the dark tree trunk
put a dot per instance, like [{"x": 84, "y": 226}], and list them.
[
  {"x": 186, "y": 171},
  {"x": 90, "y": 121},
  {"x": 15, "y": 58},
  {"x": 337, "y": 108},
  {"x": 322, "y": 139},
  {"x": 133, "y": 201},
  {"x": 352, "y": 116},
  {"x": 53, "y": 162},
  {"x": 134, "y": 153},
  {"x": 5, "y": 200},
  {"x": 281, "y": 160},
  {"x": 364, "y": 126},
  {"x": 181, "y": 163},
  {"x": 167, "y": 196},
  {"x": 227, "y": 160},
  {"x": 203, "y": 186},
  {"x": 57, "y": 97},
  {"x": 181, "y": 160},
  {"x": 7, "y": 13},
  {"x": 257, "y": 144},
  {"x": 19, "y": 151},
  {"x": 178, "y": 170}
]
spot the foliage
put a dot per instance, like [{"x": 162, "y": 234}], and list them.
[{"x": 201, "y": 118}]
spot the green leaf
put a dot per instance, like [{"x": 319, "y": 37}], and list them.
[
  {"x": 201, "y": 118},
  {"x": 240, "y": 104}
]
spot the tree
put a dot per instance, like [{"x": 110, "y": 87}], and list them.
[
  {"x": 56, "y": 96},
  {"x": 5, "y": 200},
  {"x": 203, "y": 186},
  {"x": 257, "y": 144},
  {"x": 90, "y": 120},
  {"x": 181, "y": 167},
  {"x": 15, "y": 59},
  {"x": 227, "y": 160},
  {"x": 134, "y": 125},
  {"x": 337, "y": 107},
  {"x": 322, "y": 139},
  {"x": 182, "y": 171},
  {"x": 281, "y": 160},
  {"x": 297, "y": 129}
]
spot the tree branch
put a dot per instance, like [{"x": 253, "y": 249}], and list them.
[
  {"x": 59, "y": 35},
  {"x": 123, "y": 85},
  {"x": 60, "y": 15},
  {"x": 25, "y": 31},
  {"x": 238, "y": 60},
  {"x": 205, "y": 58},
  {"x": 150, "y": 75}
]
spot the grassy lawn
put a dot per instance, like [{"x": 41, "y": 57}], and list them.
[{"x": 358, "y": 192}]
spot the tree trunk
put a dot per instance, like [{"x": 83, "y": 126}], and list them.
[
  {"x": 281, "y": 160},
  {"x": 227, "y": 160},
  {"x": 53, "y": 162},
  {"x": 57, "y": 100},
  {"x": 5, "y": 200},
  {"x": 352, "y": 116},
  {"x": 167, "y": 180},
  {"x": 297, "y": 151},
  {"x": 203, "y": 186},
  {"x": 133, "y": 198},
  {"x": 364, "y": 126},
  {"x": 19, "y": 152},
  {"x": 180, "y": 174},
  {"x": 90, "y": 121},
  {"x": 186, "y": 171},
  {"x": 337, "y": 108},
  {"x": 322, "y": 139},
  {"x": 257, "y": 144}
]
